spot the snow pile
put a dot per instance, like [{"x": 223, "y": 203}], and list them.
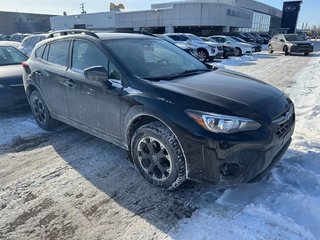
[{"x": 287, "y": 205}]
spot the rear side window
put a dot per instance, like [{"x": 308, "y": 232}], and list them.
[
  {"x": 33, "y": 41},
  {"x": 58, "y": 53},
  {"x": 39, "y": 51}
]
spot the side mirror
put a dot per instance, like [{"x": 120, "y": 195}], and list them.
[
  {"x": 228, "y": 42},
  {"x": 98, "y": 75}
]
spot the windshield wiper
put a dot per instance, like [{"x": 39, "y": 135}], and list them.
[{"x": 179, "y": 74}]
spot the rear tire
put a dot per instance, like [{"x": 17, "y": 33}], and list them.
[
  {"x": 286, "y": 51},
  {"x": 238, "y": 52},
  {"x": 41, "y": 112},
  {"x": 158, "y": 156}
]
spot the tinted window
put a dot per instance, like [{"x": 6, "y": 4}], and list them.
[
  {"x": 184, "y": 38},
  {"x": 39, "y": 51},
  {"x": 11, "y": 56},
  {"x": 153, "y": 58},
  {"x": 86, "y": 55},
  {"x": 46, "y": 51},
  {"x": 174, "y": 37},
  {"x": 58, "y": 53},
  {"x": 33, "y": 41}
]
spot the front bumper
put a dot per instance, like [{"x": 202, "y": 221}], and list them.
[
  {"x": 12, "y": 97},
  {"x": 301, "y": 49},
  {"x": 236, "y": 159}
]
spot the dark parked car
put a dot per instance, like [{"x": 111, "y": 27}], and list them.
[
  {"x": 178, "y": 117},
  {"x": 257, "y": 47},
  {"x": 228, "y": 51},
  {"x": 290, "y": 43},
  {"x": 12, "y": 94},
  {"x": 242, "y": 36}
]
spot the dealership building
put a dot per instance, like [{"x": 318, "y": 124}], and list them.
[
  {"x": 201, "y": 17},
  {"x": 16, "y": 22}
]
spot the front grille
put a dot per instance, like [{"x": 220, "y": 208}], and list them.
[
  {"x": 220, "y": 48},
  {"x": 285, "y": 122}
]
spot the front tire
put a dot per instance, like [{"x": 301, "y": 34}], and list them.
[
  {"x": 158, "y": 156},
  {"x": 270, "y": 49},
  {"x": 306, "y": 53},
  {"x": 238, "y": 52},
  {"x": 41, "y": 112},
  {"x": 286, "y": 51},
  {"x": 203, "y": 55}
]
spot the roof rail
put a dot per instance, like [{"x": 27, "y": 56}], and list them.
[
  {"x": 72, "y": 31},
  {"x": 132, "y": 31}
]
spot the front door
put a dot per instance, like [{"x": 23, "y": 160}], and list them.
[{"x": 91, "y": 103}]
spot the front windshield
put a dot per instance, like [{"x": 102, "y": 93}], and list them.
[
  {"x": 153, "y": 58},
  {"x": 11, "y": 56},
  {"x": 294, "y": 37}
]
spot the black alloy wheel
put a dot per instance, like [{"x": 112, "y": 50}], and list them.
[
  {"x": 158, "y": 156},
  {"x": 41, "y": 112}
]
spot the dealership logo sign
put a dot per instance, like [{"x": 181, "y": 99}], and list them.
[{"x": 290, "y": 8}]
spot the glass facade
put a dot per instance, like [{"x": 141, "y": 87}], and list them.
[{"x": 260, "y": 23}]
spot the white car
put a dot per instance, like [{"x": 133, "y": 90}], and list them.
[
  {"x": 240, "y": 48},
  {"x": 206, "y": 50},
  {"x": 29, "y": 42}
]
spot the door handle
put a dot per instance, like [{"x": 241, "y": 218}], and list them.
[{"x": 70, "y": 83}]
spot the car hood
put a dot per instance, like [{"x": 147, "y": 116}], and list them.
[
  {"x": 11, "y": 74},
  {"x": 224, "y": 91}
]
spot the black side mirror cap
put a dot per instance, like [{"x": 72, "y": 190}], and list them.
[{"x": 97, "y": 74}]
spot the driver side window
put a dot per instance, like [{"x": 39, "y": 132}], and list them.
[{"x": 86, "y": 54}]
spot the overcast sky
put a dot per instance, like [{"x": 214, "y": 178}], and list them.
[{"x": 309, "y": 12}]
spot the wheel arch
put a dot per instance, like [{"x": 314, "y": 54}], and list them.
[{"x": 139, "y": 116}]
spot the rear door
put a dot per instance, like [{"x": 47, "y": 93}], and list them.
[
  {"x": 50, "y": 76},
  {"x": 91, "y": 103}
]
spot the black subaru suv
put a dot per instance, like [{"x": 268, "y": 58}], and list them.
[{"x": 178, "y": 118}]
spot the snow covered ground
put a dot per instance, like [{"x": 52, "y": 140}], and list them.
[
  {"x": 67, "y": 184},
  {"x": 287, "y": 204}
]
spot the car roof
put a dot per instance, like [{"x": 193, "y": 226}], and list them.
[{"x": 7, "y": 43}]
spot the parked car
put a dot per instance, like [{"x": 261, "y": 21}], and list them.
[
  {"x": 12, "y": 94},
  {"x": 257, "y": 47},
  {"x": 11, "y": 43},
  {"x": 266, "y": 38},
  {"x": 29, "y": 42},
  {"x": 240, "y": 48},
  {"x": 227, "y": 50},
  {"x": 178, "y": 117},
  {"x": 240, "y": 35},
  {"x": 185, "y": 47},
  {"x": 206, "y": 51},
  {"x": 256, "y": 39},
  {"x": 290, "y": 43},
  {"x": 18, "y": 37}
]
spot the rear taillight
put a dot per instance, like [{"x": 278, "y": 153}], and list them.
[{"x": 26, "y": 67}]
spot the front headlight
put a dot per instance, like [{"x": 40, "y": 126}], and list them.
[
  {"x": 219, "y": 123},
  {"x": 293, "y": 45}
]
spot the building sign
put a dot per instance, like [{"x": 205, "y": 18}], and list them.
[
  {"x": 290, "y": 13},
  {"x": 238, "y": 14}
]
